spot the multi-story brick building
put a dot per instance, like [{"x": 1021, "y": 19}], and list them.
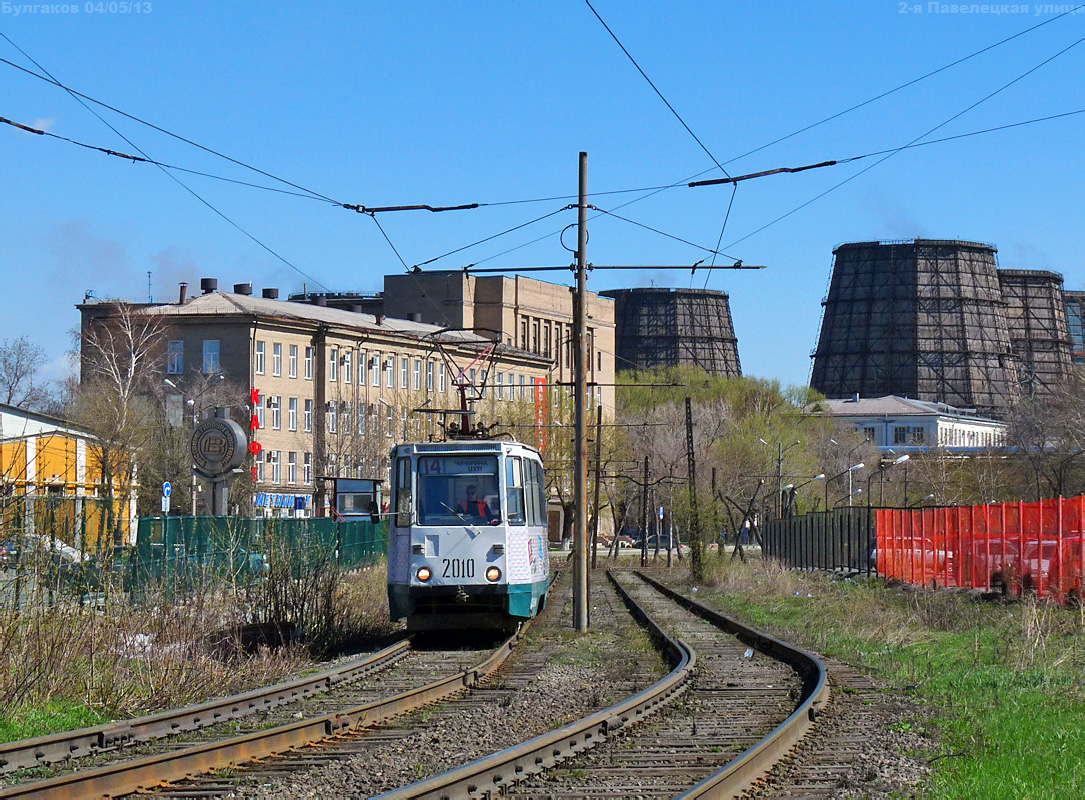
[
  {"x": 531, "y": 315},
  {"x": 336, "y": 388}
]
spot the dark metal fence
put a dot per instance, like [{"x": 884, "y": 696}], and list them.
[{"x": 844, "y": 539}]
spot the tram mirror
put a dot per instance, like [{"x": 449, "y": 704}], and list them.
[{"x": 374, "y": 512}]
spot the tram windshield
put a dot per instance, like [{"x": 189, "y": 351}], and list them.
[{"x": 453, "y": 489}]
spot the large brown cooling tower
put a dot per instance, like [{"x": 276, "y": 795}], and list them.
[
  {"x": 671, "y": 327},
  {"x": 1039, "y": 334},
  {"x": 920, "y": 318}
]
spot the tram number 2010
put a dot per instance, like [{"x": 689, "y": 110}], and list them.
[{"x": 458, "y": 568}]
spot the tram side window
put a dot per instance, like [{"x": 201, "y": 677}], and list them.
[
  {"x": 531, "y": 498},
  {"x": 403, "y": 492},
  {"x": 540, "y": 486},
  {"x": 514, "y": 480}
]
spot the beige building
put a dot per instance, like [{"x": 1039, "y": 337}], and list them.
[
  {"x": 336, "y": 388},
  {"x": 531, "y": 315}
]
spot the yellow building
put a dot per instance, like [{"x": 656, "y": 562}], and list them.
[{"x": 50, "y": 484}]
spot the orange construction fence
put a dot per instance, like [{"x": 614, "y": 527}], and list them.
[{"x": 1012, "y": 547}]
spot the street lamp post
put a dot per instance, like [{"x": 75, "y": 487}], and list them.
[
  {"x": 792, "y": 487},
  {"x": 214, "y": 381},
  {"x": 903, "y": 459},
  {"x": 918, "y": 503},
  {"x": 847, "y": 472},
  {"x": 780, "y": 450},
  {"x": 848, "y": 498}
]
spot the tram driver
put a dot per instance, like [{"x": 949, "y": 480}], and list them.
[{"x": 474, "y": 507}]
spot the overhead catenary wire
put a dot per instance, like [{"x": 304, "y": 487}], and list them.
[
  {"x": 166, "y": 172},
  {"x": 666, "y": 102},
  {"x": 914, "y": 141}
]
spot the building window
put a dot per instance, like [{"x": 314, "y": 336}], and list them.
[
  {"x": 403, "y": 372},
  {"x": 348, "y": 367},
  {"x": 546, "y": 339},
  {"x": 275, "y": 403},
  {"x": 568, "y": 346},
  {"x": 523, "y": 387},
  {"x": 362, "y": 411},
  {"x": 260, "y": 424},
  {"x": 307, "y": 469},
  {"x": 390, "y": 368},
  {"x": 276, "y": 359},
  {"x": 333, "y": 417},
  {"x": 501, "y": 386},
  {"x": 211, "y": 357},
  {"x": 260, "y": 467},
  {"x": 429, "y": 376},
  {"x": 293, "y": 363},
  {"x": 418, "y": 374},
  {"x": 868, "y": 434},
  {"x": 292, "y": 414},
  {"x": 900, "y": 435},
  {"x": 442, "y": 385},
  {"x": 535, "y": 336},
  {"x": 308, "y": 363},
  {"x": 292, "y": 468},
  {"x": 599, "y": 360},
  {"x": 375, "y": 369},
  {"x": 308, "y": 416},
  {"x": 333, "y": 364},
  {"x": 274, "y": 460},
  {"x": 259, "y": 362},
  {"x": 391, "y": 417},
  {"x": 523, "y": 333},
  {"x": 175, "y": 358}
]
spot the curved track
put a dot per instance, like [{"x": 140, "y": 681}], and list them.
[{"x": 749, "y": 700}]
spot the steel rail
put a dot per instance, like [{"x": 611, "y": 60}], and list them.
[
  {"x": 745, "y": 770},
  {"x": 491, "y": 774},
  {"x": 68, "y": 745},
  {"x": 144, "y": 773}
]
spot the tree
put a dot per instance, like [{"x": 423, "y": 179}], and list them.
[
  {"x": 20, "y": 361},
  {"x": 120, "y": 346},
  {"x": 1049, "y": 434}
]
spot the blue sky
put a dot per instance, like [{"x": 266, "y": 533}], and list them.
[{"x": 387, "y": 103}]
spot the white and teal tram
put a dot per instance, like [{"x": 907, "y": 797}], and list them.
[{"x": 467, "y": 543}]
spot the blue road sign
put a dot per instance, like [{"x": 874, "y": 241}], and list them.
[{"x": 166, "y": 489}]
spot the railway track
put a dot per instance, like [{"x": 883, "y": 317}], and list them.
[
  {"x": 746, "y": 700},
  {"x": 68, "y": 746},
  {"x": 260, "y": 723},
  {"x": 733, "y": 704}
]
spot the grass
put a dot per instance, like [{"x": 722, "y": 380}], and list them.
[
  {"x": 59, "y": 715},
  {"x": 67, "y": 666},
  {"x": 1004, "y": 683}
]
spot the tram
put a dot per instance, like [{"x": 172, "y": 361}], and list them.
[{"x": 467, "y": 543}]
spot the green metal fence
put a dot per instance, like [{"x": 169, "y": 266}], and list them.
[{"x": 187, "y": 550}]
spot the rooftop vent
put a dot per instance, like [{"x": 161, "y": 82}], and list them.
[
  {"x": 320, "y": 300},
  {"x": 414, "y": 316},
  {"x": 242, "y": 288},
  {"x": 270, "y": 294},
  {"x": 209, "y": 285},
  {"x": 182, "y": 296}
]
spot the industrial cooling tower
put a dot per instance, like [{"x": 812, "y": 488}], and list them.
[
  {"x": 1039, "y": 335},
  {"x": 919, "y": 318},
  {"x": 672, "y": 327}
]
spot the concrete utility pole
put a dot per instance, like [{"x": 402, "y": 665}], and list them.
[{"x": 580, "y": 484}]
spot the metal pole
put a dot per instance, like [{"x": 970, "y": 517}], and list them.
[
  {"x": 580, "y": 488},
  {"x": 779, "y": 479},
  {"x": 644, "y": 516},
  {"x": 598, "y": 466}
]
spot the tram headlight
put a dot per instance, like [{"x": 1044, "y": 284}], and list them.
[
  {"x": 493, "y": 574},
  {"x": 423, "y": 574}
]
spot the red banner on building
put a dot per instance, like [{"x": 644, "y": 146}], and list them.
[{"x": 542, "y": 413}]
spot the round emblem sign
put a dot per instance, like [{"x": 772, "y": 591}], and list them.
[{"x": 217, "y": 446}]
